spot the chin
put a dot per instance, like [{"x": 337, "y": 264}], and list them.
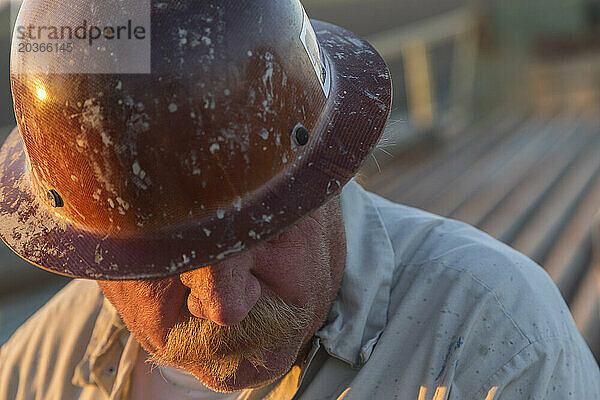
[{"x": 248, "y": 376}]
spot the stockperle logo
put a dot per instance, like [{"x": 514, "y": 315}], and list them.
[{"x": 82, "y": 36}]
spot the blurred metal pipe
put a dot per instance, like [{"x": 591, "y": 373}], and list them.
[
  {"x": 391, "y": 44},
  {"x": 418, "y": 85},
  {"x": 412, "y": 44}
]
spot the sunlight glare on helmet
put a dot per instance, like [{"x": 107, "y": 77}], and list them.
[
  {"x": 66, "y": 219},
  {"x": 41, "y": 92}
]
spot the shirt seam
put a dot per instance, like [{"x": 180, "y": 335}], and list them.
[
  {"x": 486, "y": 287},
  {"x": 498, "y": 370}
]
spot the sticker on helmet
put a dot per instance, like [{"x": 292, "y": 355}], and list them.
[{"x": 319, "y": 62}]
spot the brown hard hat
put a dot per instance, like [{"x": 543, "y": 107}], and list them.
[{"x": 248, "y": 117}]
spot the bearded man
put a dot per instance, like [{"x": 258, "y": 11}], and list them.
[{"x": 207, "y": 200}]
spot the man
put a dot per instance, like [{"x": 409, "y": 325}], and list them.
[{"x": 212, "y": 201}]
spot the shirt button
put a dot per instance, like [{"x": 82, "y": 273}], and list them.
[{"x": 110, "y": 370}]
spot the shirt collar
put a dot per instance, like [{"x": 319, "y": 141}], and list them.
[
  {"x": 359, "y": 313},
  {"x": 100, "y": 362}
]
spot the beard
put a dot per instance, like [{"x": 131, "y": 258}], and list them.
[{"x": 219, "y": 350}]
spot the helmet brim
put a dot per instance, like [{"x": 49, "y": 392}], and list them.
[{"x": 357, "y": 109}]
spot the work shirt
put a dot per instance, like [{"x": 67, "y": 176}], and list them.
[
  {"x": 428, "y": 308},
  {"x": 157, "y": 383}
]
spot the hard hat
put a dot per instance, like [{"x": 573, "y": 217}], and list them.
[{"x": 248, "y": 117}]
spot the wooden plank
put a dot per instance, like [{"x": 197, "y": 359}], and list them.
[
  {"x": 586, "y": 310},
  {"x": 562, "y": 262},
  {"x": 544, "y": 228},
  {"x": 450, "y": 193},
  {"x": 570, "y": 256},
  {"x": 511, "y": 216},
  {"x": 425, "y": 192},
  {"x": 481, "y": 204},
  {"x": 400, "y": 178},
  {"x": 508, "y": 160}
]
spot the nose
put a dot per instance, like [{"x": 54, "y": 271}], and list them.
[{"x": 223, "y": 293}]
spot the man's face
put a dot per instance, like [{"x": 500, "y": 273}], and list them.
[{"x": 241, "y": 323}]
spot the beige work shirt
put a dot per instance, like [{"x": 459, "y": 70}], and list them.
[{"x": 429, "y": 308}]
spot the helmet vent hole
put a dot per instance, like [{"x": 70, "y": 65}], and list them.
[
  {"x": 301, "y": 135},
  {"x": 54, "y": 198}
]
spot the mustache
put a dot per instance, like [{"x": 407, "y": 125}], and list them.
[{"x": 219, "y": 350}]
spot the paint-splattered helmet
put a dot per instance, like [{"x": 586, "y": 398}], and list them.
[{"x": 168, "y": 135}]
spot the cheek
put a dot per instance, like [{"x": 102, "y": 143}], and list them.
[
  {"x": 148, "y": 308},
  {"x": 294, "y": 272}
]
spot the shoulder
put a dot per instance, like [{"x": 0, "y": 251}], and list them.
[
  {"x": 46, "y": 349},
  {"x": 457, "y": 254},
  {"x": 448, "y": 258},
  {"x": 491, "y": 312}
]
